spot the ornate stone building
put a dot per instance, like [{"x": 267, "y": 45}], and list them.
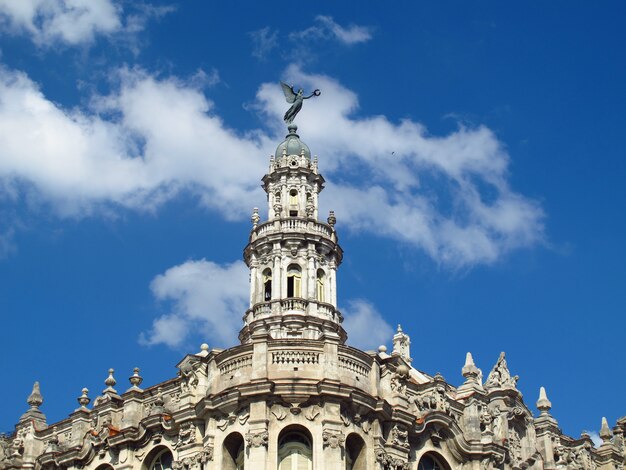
[{"x": 293, "y": 395}]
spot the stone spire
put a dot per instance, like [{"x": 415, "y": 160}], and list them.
[
  {"x": 293, "y": 256},
  {"x": 605, "y": 432},
  {"x": 543, "y": 404},
  {"x": 34, "y": 400},
  {"x": 401, "y": 345},
  {"x": 473, "y": 376}
]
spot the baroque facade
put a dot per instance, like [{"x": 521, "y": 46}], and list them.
[{"x": 293, "y": 395}]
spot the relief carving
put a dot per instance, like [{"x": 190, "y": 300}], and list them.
[
  {"x": 333, "y": 439},
  {"x": 257, "y": 439}
]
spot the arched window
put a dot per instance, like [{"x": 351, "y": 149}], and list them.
[
  {"x": 295, "y": 449},
  {"x": 233, "y": 452},
  {"x": 293, "y": 197},
  {"x": 294, "y": 281},
  {"x": 162, "y": 461},
  {"x": 293, "y": 203},
  {"x": 431, "y": 462},
  {"x": 267, "y": 284},
  {"x": 321, "y": 277},
  {"x": 355, "y": 453}
]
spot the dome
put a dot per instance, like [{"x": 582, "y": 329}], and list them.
[{"x": 292, "y": 144}]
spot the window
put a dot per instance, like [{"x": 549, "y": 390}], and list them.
[
  {"x": 233, "y": 452},
  {"x": 163, "y": 461},
  {"x": 293, "y": 197},
  {"x": 294, "y": 451},
  {"x": 267, "y": 285},
  {"x": 429, "y": 463},
  {"x": 293, "y": 203},
  {"x": 320, "y": 285},
  {"x": 294, "y": 281},
  {"x": 355, "y": 453}
]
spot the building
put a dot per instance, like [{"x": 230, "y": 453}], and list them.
[{"x": 293, "y": 395}]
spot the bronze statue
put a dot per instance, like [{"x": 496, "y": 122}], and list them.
[{"x": 295, "y": 99}]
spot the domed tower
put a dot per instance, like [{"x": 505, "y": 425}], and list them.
[{"x": 293, "y": 256}]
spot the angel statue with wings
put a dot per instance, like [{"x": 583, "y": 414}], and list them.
[{"x": 295, "y": 99}]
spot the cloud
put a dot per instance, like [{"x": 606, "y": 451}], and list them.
[
  {"x": 595, "y": 438},
  {"x": 326, "y": 28},
  {"x": 204, "y": 298},
  {"x": 136, "y": 148},
  {"x": 152, "y": 138},
  {"x": 448, "y": 195},
  {"x": 207, "y": 299},
  {"x": 263, "y": 42},
  {"x": 74, "y": 22},
  {"x": 366, "y": 327}
]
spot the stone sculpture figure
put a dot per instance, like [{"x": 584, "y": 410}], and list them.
[{"x": 295, "y": 99}]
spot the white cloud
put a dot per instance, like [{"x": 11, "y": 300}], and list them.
[
  {"x": 263, "y": 42},
  {"x": 353, "y": 34},
  {"x": 152, "y": 138},
  {"x": 447, "y": 195},
  {"x": 366, "y": 327},
  {"x": 326, "y": 27},
  {"x": 138, "y": 148},
  {"x": 205, "y": 298},
  {"x": 595, "y": 438},
  {"x": 69, "y": 21},
  {"x": 75, "y": 22}
]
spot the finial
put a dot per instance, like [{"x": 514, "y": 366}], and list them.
[
  {"x": 605, "y": 432},
  {"x": 35, "y": 399},
  {"x": 255, "y": 217},
  {"x": 83, "y": 400},
  {"x": 332, "y": 220},
  {"x": 399, "y": 328},
  {"x": 438, "y": 377},
  {"x": 382, "y": 348},
  {"x": 204, "y": 350},
  {"x": 135, "y": 380},
  {"x": 110, "y": 383},
  {"x": 469, "y": 370},
  {"x": 543, "y": 404}
]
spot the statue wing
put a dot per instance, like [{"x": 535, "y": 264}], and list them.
[{"x": 290, "y": 95}]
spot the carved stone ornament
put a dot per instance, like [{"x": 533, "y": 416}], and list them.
[
  {"x": 205, "y": 455},
  {"x": 312, "y": 412},
  {"x": 390, "y": 463},
  {"x": 398, "y": 383},
  {"x": 333, "y": 439},
  {"x": 434, "y": 400},
  {"x": 500, "y": 377},
  {"x": 244, "y": 415},
  {"x": 279, "y": 411},
  {"x": 515, "y": 448},
  {"x": 399, "y": 436},
  {"x": 186, "y": 434},
  {"x": 257, "y": 439}
]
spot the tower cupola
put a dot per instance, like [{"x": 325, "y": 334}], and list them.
[
  {"x": 292, "y": 145},
  {"x": 292, "y": 256}
]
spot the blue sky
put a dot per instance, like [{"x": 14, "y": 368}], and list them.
[{"x": 473, "y": 152}]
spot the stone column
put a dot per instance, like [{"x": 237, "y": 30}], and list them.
[{"x": 257, "y": 438}]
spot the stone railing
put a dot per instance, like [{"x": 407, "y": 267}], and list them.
[
  {"x": 294, "y": 303},
  {"x": 261, "y": 309},
  {"x": 354, "y": 361},
  {"x": 294, "y": 224},
  {"x": 235, "y": 361},
  {"x": 295, "y": 357}
]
